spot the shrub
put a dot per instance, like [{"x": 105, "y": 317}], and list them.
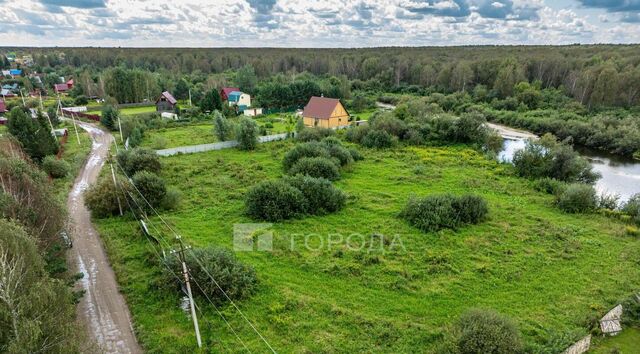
[
  {"x": 549, "y": 185},
  {"x": 247, "y": 134},
  {"x": 550, "y": 158},
  {"x": 102, "y": 198},
  {"x": 310, "y": 149},
  {"x": 139, "y": 159},
  {"x": 632, "y": 207},
  {"x": 171, "y": 200},
  {"x": 151, "y": 186},
  {"x": 440, "y": 211},
  {"x": 314, "y": 134},
  {"x": 274, "y": 201},
  {"x": 471, "y": 209},
  {"x": 236, "y": 279},
  {"x": 356, "y": 134},
  {"x": 379, "y": 139},
  {"x": 608, "y": 201},
  {"x": 321, "y": 195},
  {"x": 109, "y": 117},
  {"x": 222, "y": 128},
  {"x": 486, "y": 331},
  {"x": 81, "y": 100},
  {"x": 338, "y": 152},
  {"x": 356, "y": 155},
  {"x": 577, "y": 198},
  {"x": 54, "y": 167},
  {"x": 316, "y": 167}
]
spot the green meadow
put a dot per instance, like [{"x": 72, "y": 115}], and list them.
[{"x": 362, "y": 279}]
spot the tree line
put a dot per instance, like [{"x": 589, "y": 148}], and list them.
[{"x": 595, "y": 75}]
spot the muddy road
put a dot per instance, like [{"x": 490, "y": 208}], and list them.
[{"x": 102, "y": 310}]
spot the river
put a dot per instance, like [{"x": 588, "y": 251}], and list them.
[{"x": 620, "y": 175}]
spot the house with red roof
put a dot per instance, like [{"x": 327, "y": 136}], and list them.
[
  {"x": 325, "y": 113},
  {"x": 226, "y": 91},
  {"x": 3, "y": 107},
  {"x": 61, "y": 88},
  {"x": 166, "y": 102}
]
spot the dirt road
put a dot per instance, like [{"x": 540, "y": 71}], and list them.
[{"x": 102, "y": 311}]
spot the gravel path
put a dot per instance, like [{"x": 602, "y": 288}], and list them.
[{"x": 102, "y": 310}]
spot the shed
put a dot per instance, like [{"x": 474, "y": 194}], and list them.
[
  {"x": 6, "y": 93},
  {"x": 15, "y": 72},
  {"x": 166, "y": 102},
  {"x": 225, "y": 91},
  {"x": 70, "y": 84},
  {"x": 3, "y": 107},
  {"x": 325, "y": 112},
  {"x": 252, "y": 112}
]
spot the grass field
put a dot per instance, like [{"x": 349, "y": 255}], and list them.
[
  {"x": 546, "y": 269},
  {"x": 627, "y": 342},
  {"x": 75, "y": 154},
  {"x": 129, "y": 111},
  {"x": 192, "y": 134}
]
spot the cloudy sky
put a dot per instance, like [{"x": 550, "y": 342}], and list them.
[{"x": 315, "y": 23}]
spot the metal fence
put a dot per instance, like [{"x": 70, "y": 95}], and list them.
[{"x": 215, "y": 146}]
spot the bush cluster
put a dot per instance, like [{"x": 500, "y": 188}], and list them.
[
  {"x": 102, "y": 198},
  {"x": 484, "y": 331},
  {"x": 548, "y": 157},
  {"x": 139, "y": 159},
  {"x": 578, "y": 198},
  {"x": 319, "y": 158},
  {"x": 291, "y": 197},
  {"x": 320, "y": 167},
  {"x": 314, "y": 134},
  {"x": 54, "y": 167},
  {"x": 236, "y": 279},
  {"x": 440, "y": 211}
]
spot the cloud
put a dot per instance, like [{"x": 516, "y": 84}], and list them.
[
  {"x": 613, "y": 5},
  {"x": 81, "y": 4},
  {"x": 449, "y": 8},
  {"x": 262, "y": 6}
]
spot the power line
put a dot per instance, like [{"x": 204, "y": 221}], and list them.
[
  {"x": 200, "y": 264},
  {"x": 173, "y": 273}
]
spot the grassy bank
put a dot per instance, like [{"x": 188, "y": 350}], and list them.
[
  {"x": 546, "y": 269},
  {"x": 627, "y": 342}
]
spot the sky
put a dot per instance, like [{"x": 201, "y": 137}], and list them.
[{"x": 316, "y": 23}]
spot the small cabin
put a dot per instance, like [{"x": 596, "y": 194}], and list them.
[
  {"x": 325, "y": 113},
  {"x": 166, "y": 103}
]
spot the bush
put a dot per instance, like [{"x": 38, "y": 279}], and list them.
[
  {"x": 314, "y": 134},
  {"x": 81, "y": 100},
  {"x": 171, "y": 200},
  {"x": 310, "y": 149},
  {"x": 632, "y": 207},
  {"x": 102, "y": 198},
  {"x": 236, "y": 279},
  {"x": 139, "y": 159},
  {"x": 578, "y": 198},
  {"x": 151, "y": 186},
  {"x": 338, "y": 152},
  {"x": 316, "y": 167},
  {"x": 471, "y": 209},
  {"x": 356, "y": 155},
  {"x": 109, "y": 117},
  {"x": 54, "y": 167},
  {"x": 222, "y": 128},
  {"x": 608, "y": 201},
  {"x": 436, "y": 212},
  {"x": 486, "y": 331},
  {"x": 357, "y": 134},
  {"x": 549, "y": 185},
  {"x": 321, "y": 195},
  {"x": 379, "y": 139},
  {"x": 274, "y": 201},
  {"x": 550, "y": 158},
  {"x": 247, "y": 134}
]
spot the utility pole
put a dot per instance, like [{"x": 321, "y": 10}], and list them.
[
  {"x": 190, "y": 104},
  {"x": 185, "y": 272}
]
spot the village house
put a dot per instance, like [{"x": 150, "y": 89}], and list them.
[
  {"x": 3, "y": 107},
  {"x": 15, "y": 72},
  {"x": 325, "y": 113},
  {"x": 225, "y": 91},
  {"x": 240, "y": 99},
  {"x": 166, "y": 102}
]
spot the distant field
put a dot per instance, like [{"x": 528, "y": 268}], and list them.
[
  {"x": 179, "y": 136},
  {"x": 546, "y": 269},
  {"x": 129, "y": 111}
]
